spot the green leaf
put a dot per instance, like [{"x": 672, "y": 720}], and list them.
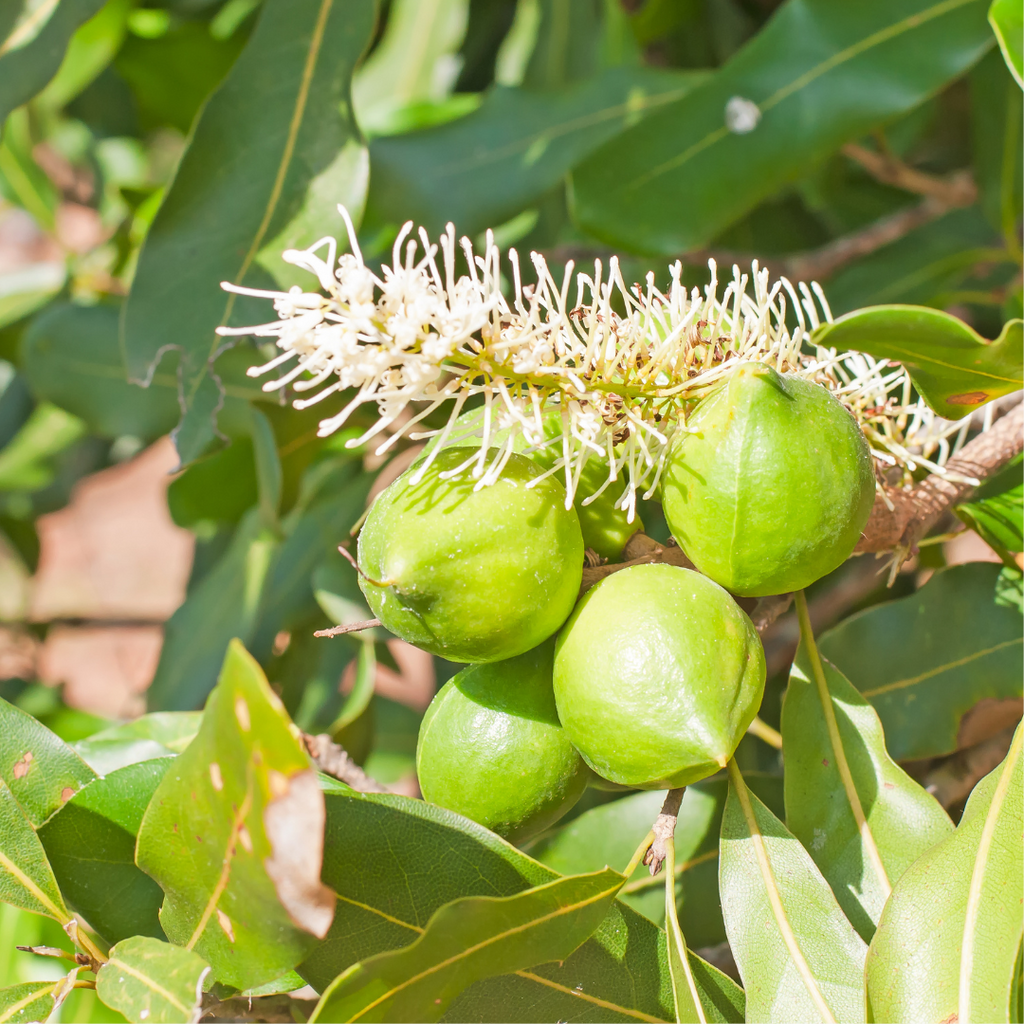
[
  {"x": 233, "y": 835},
  {"x": 618, "y": 974},
  {"x": 25, "y": 461},
  {"x": 40, "y": 769},
  {"x": 996, "y": 512},
  {"x": 149, "y": 981},
  {"x": 27, "y": 289},
  {"x": 926, "y": 660},
  {"x": 684, "y": 987},
  {"x": 72, "y": 357},
  {"x": 26, "y": 879},
  {"x": 820, "y": 75},
  {"x": 1008, "y": 24},
  {"x": 31, "y": 1001},
  {"x": 947, "y": 945},
  {"x": 953, "y": 367},
  {"x": 610, "y": 833},
  {"x": 862, "y": 819},
  {"x": 362, "y": 690},
  {"x": 799, "y": 957},
  {"x": 466, "y": 941},
  {"x": 160, "y": 734},
  {"x": 486, "y": 167},
  {"x": 280, "y": 119},
  {"x": 412, "y": 62},
  {"x": 218, "y": 489},
  {"x": 34, "y": 48},
  {"x": 90, "y": 844},
  {"x": 223, "y": 605}
]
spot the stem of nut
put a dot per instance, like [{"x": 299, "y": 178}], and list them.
[
  {"x": 334, "y": 760},
  {"x": 664, "y": 829}
]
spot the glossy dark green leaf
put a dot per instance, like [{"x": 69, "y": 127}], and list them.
[
  {"x": 40, "y": 769},
  {"x": 862, "y": 819},
  {"x": 278, "y": 124},
  {"x": 72, "y": 357},
  {"x": 819, "y": 75},
  {"x": 610, "y": 833},
  {"x": 947, "y": 945},
  {"x": 151, "y": 982},
  {"x": 90, "y": 843},
  {"x": 233, "y": 833},
  {"x": 218, "y": 489},
  {"x": 799, "y": 957},
  {"x": 32, "y": 51},
  {"x": 30, "y": 1001},
  {"x": 160, "y": 734},
  {"x": 952, "y": 366},
  {"x": 619, "y": 974},
  {"x": 26, "y": 879},
  {"x": 222, "y": 606},
  {"x": 466, "y": 941},
  {"x": 491, "y": 164},
  {"x": 1007, "y": 23},
  {"x": 925, "y": 661}
]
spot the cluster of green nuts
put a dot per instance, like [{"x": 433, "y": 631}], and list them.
[{"x": 650, "y": 679}]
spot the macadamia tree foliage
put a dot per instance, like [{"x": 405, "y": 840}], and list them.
[{"x": 646, "y": 372}]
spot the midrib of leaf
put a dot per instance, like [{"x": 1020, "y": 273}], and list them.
[
  {"x": 150, "y": 983},
  {"x": 530, "y": 976},
  {"x": 836, "y": 742},
  {"x": 29, "y": 27},
  {"x": 901, "y": 684},
  {"x": 978, "y": 874},
  {"x": 38, "y": 893},
  {"x": 675, "y": 933},
  {"x": 801, "y": 81},
  {"x": 565, "y": 128},
  {"x": 302, "y": 97},
  {"x": 27, "y": 1001},
  {"x": 462, "y": 954},
  {"x": 106, "y": 372},
  {"x": 771, "y": 887},
  {"x": 913, "y": 356},
  {"x": 229, "y": 855}
]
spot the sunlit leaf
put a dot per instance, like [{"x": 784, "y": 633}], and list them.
[
  {"x": 159, "y": 734},
  {"x": 26, "y": 879},
  {"x": 947, "y": 945},
  {"x": 466, "y": 941},
  {"x": 30, "y": 1001},
  {"x": 799, "y": 957},
  {"x": 233, "y": 835},
  {"x": 925, "y": 661},
  {"x": 1008, "y": 24},
  {"x": 40, "y": 769},
  {"x": 952, "y": 366},
  {"x": 862, "y": 819},
  {"x": 151, "y": 982}
]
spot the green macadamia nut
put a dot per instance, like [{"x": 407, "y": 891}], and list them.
[
  {"x": 471, "y": 575},
  {"x": 491, "y": 748},
  {"x": 658, "y": 673},
  {"x": 773, "y": 487}
]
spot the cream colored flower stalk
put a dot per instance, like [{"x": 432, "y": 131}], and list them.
[{"x": 620, "y": 364}]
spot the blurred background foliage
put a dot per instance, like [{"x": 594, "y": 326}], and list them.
[{"x": 151, "y": 150}]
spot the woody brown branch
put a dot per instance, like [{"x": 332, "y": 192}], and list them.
[
  {"x": 915, "y": 511},
  {"x": 334, "y": 760}
]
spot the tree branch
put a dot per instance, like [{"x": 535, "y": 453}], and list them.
[
  {"x": 352, "y": 627},
  {"x": 332, "y": 759},
  {"x": 958, "y": 189},
  {"x": 664, "y": 828},
  {"x": 915, "y": 511}
]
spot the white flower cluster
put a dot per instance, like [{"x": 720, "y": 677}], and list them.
[{"x": 620, "y": 364}]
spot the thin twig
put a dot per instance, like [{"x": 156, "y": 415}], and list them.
[
  {"x": 332, "y": 759},
  {"x": 352, "y": 627},
  {"x": 664, "y": 829},
  {"x": 958, "y": 189}
]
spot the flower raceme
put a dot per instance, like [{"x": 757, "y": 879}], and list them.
[{"x": 621, "y": 364}]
